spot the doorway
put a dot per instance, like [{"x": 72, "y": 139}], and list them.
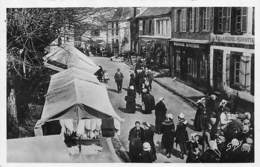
[{"x": 218, "y": 69}]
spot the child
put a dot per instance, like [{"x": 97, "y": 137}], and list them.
[{"x": 106, "y": 76}]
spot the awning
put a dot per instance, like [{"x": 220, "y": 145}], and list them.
[
  {"x": 69, "y": 56},
  {"x": 77, "y": 99}
]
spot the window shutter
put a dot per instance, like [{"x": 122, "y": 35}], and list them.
[
  {"x": 228, "y": 21},
  {"x": 175, "y": 20},
  {"x": 244, "y": 19},
  {"x": 228, "y": 69},
  {"x": 197, "y": 19},
  {"x": 244, "y": 75},
  {"x": 208, "y": 19},
  {"x": 192, "y": 20},
  {"x": 184, "y": 20}
]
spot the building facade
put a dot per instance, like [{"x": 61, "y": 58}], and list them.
[
  {"x": 232, "y": 52},
  {"x": 190, "y": 45},
  {"x": 118, "y": 31},
  {"x": 154, "y": 35}
]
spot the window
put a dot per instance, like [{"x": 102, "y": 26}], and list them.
[
  {"x": 253, "y": 27},
  {"x": 117, "y": 28},
  {"x": 197, "y": 19},
  {"x": 223, "y": 19},
  {"x": 190, "y": 15},
  {"x": 205, "y": 19},
  {"x": 178, "y": 60},
  {"x": 178, "y": 23},
  {"x": 141, "y": 27},
  {"x": 236, "y": 69},
  {"x": 144, "y": 32},
  {"x": 150, "y": 26},
  {"x": 112, "y": 28},
  {"x": 252, "y": 84},
  {"x": 183, "y": 20},
  {"x": 240, "y": 20},
  {"x": 240, "y": 71}
]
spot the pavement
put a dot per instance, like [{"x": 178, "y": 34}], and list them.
[
  {"x": 187, "y": 93},
  {"x": 175, "y": 104}
]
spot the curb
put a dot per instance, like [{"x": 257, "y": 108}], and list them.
[{"x": 192, "y": 103}]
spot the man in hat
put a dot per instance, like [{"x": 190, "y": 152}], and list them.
[
  {"x": 160, "y": 114},
  {"x": 149, "y": 103},
  {"x": 119, "y": 79},
  {"x": 181, "y": 134},
  {"x": 135, "y": 138},
  {"x": 168, "y": 131},
  {"x": 148, "y": 137}
]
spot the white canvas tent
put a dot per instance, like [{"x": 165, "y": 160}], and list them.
[
  {"x": 71, "y": 57},
  {"x": 77, "y": 99},
  {"x": 63, "y": 77}
]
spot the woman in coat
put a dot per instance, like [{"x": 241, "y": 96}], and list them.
[
  {"x": 130, "y": 100},
  {"x": 160, "y": 114},
  {"x": 181, "y": 134},
  {"x": 201, "y": 118},
  {"x": 168, "y": 131}
]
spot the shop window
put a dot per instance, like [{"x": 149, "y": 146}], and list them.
[
  {"x": 239, "y": 71},
  {"x": 203, "y": 67},
  {"x": 178, "y": 60},
  {"x": 252, "y": 86}
]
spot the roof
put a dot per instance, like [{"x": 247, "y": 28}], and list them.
[
  {"x": 123, "y": 14},
  {"x": 155, "y": 11},
  {"x": 52, "y": 149},
  {"x": 71, "y": 57},
  {"x": 67, "y": 94}
]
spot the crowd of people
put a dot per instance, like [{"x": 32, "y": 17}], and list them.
[{"x": 221, "y": 132}]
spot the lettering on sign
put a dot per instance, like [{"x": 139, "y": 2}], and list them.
[
  {"x": 234, "y": 39},
  {"x": 190, "y": 45}
]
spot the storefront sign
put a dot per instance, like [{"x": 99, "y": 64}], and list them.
[
  {"x": 189, "y": 45},
  {"x": 234, "y": 39}
]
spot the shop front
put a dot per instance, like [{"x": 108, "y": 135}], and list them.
[
  {"x": 232, "y": 70},
  {"x": 155, "y": 51},
  {"x": 190, "y": 63}
]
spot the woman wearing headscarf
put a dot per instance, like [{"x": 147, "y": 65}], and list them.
[
  {"x": 148, "y": 137},
  {"x": 130, "y": 100},
  {"x": 181, "y": 134},
  {"x": 193, "y": 149},
  {"x": 212, "y": 155},
  {"x": 160, "y": 114},
  {"x": 146, "y": 156},
  {"x": 168, "y": 131},
  {"x": 201, "y": 118}
]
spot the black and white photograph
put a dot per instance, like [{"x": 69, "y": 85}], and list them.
[{"x": 130, "y": 84}]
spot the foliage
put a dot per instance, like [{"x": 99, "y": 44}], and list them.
[{"x": 29, "y": 32}]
